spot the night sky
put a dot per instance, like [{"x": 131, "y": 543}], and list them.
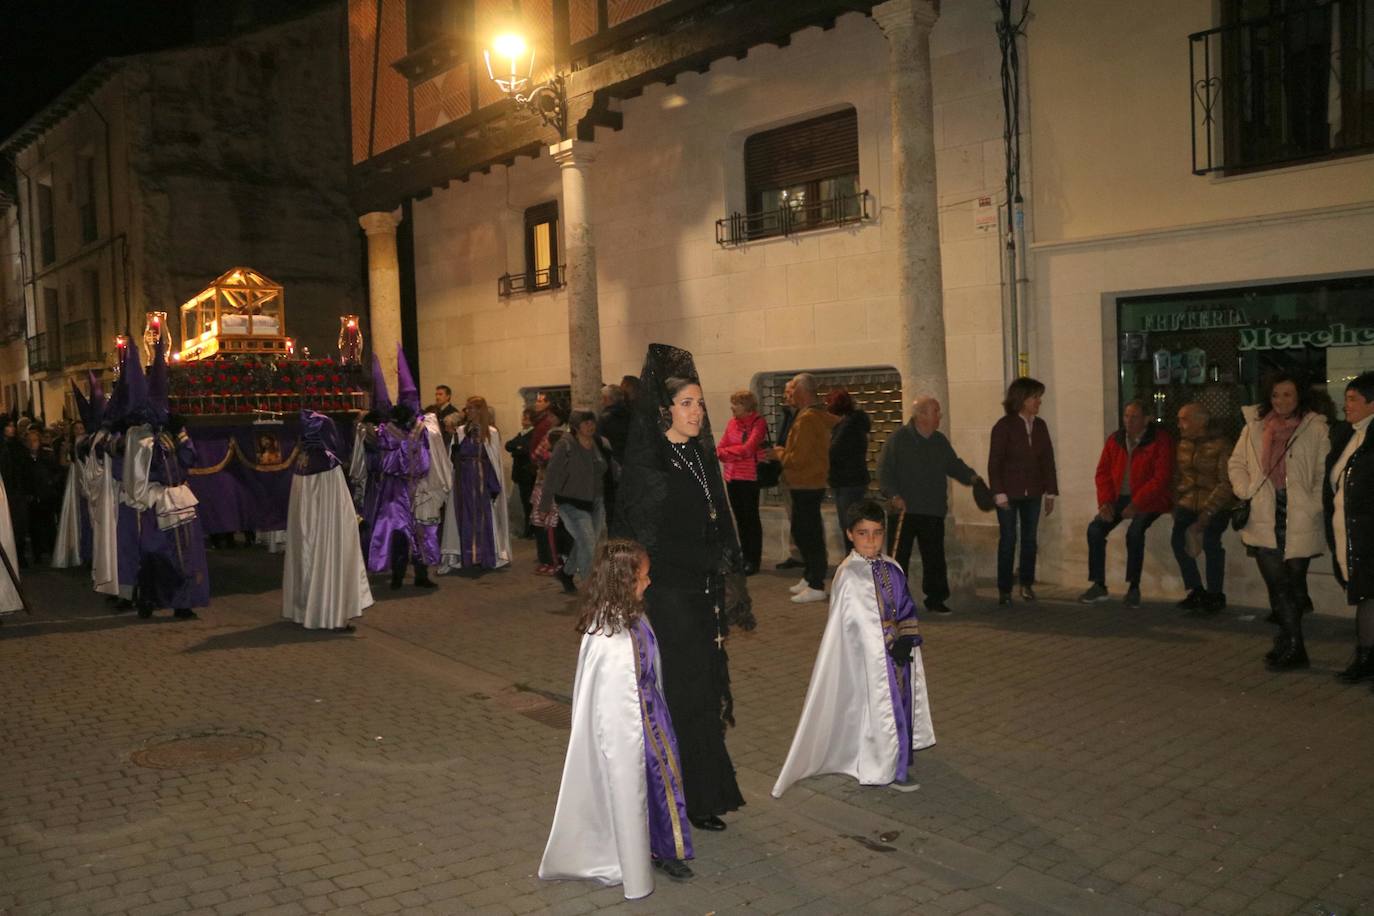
[{"x": 45, "y": 45}]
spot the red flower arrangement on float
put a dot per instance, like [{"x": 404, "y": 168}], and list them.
[{"x": 228, "y": 385}]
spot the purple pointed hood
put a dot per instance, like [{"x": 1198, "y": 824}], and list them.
[
  {"x": 157, "y": 384},
  {"x": 407, "y": 395},
  {"x": 381, "y": 400},
  {"x": 97, "y": 400},
  {"x": 83, "y": 406},
  {"x": 137, "y": 405},
  {"x": 118, "y": 404}
]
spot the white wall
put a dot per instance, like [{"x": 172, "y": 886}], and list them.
[{"x": 818, "y": 300}]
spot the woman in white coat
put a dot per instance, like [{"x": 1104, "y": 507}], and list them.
[{"x": 1278, "y": 465}]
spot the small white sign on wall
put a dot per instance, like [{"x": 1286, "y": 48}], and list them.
[{"x": 984, "y": 215}]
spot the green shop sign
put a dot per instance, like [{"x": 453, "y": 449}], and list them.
[{"x": 1337, "y": 335}]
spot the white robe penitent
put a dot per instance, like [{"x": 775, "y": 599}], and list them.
[
  {"x": 847, "y": 722},
  {"x": 500, "y": 511},
  {"x": 601, "y": 824},
  {"x": 104, "y": 502},
  {"x": 324, "y": 580},
  {"x": 66, "y": 550},
  {"x": 9, "y": 591}
]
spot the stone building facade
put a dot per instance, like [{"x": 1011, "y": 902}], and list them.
[
  {"x": 155, "y": 173},
  {"x": 1112, "y": 211}
]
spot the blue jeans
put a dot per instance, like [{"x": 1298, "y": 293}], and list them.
[
  {"x": 1135, "y": 544},
  {"x": 1211, "y": 547},
  {"x": 585, "y": 528},
  {"x": 1027, "y": 511}
]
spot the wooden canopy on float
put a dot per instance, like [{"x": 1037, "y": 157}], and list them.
[{"x": 241, "y": 312}]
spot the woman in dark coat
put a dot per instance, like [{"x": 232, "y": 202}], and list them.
[
  {"x": 1022, "y": 476},
  {"x": 848, "y": 475},
  {"x": 1349, "y": 497},
  {"x": 672, "y": 500}
]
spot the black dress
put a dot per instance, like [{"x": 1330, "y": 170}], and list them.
[{"x": 685, "y": 552}]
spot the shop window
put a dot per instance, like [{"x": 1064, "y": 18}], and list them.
[
  {"x": 1216, "y": 347},
  {"x": 799, "y": 177},
  {"x": 1285, "y": 81},
  {"x": 876, "y": 390}
]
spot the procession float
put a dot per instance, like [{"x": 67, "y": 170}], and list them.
[{"x": 240, "y": 383}]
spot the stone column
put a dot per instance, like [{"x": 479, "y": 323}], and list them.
[
  {"x": 920, "y": 301},
  {"x": 384, "y": 289},
  {"x": 584, "y": 322}
]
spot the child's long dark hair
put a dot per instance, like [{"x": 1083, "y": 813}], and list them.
[{"x": 610, "y": 604}]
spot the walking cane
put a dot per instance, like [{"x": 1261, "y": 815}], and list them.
[
  {"x": 897, "y": 535},
  {"x": 14, "y": 577}
]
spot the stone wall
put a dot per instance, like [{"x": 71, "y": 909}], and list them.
[{"x": 241, "y": 155}]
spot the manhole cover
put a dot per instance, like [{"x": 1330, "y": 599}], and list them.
[{"x": 197, "y": 750}]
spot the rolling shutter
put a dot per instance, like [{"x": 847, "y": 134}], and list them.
[{"x": 798, "y": 153}]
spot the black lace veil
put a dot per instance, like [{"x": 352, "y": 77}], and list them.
[{"x": 643, "y": 487}]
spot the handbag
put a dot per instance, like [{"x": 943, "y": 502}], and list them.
[
  {"x": 1240, "y": 515},
  {"x": 769, "y": 470}
]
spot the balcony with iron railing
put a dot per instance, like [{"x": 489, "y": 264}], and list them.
[
  {"x": 44, "y": 355},
  {"x": 80, "y": 342},
  {"x": 531, "y": 281},
  {"x": 792, "y": 218},
  {"x": 1284, "y": 89}
]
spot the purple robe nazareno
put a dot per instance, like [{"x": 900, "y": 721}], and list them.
[
  {"x": 173, "y": 572},
  {"x": 895, "y": 604},
  {"x": 126, "y": 520},
  {"x": 402, "y": 461},
  {"x": 475, "y": 484},
  {"x": 669, "y": 835}
]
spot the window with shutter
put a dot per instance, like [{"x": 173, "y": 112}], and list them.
[{"x": 801, "y": 176}]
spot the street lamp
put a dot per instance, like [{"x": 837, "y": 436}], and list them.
[{"x": 514, "y": 59}]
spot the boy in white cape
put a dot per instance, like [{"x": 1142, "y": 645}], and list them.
[{"x": 866, "y": 711}]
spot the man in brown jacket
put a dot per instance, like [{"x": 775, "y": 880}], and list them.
[
  {"x": 805, "y": 465},
  {"x": 1202, "y": 508}
]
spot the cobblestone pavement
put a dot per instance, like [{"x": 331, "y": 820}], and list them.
[{"x": 1091, "y": 760}]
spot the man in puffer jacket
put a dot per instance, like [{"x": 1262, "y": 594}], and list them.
[
  {"x": 1202, "y": 508},
  {"x": 1134, "y": 477}
]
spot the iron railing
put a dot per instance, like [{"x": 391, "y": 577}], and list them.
[
  {"x": 789, "y": 219},
  {"x": 550, "y": 277},
  {"x": 80, "y": 342},
  {"x": 44, "y": 353},
  {"x": 1283, "y": 89}
]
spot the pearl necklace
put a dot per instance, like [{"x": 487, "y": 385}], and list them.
[{"x": 696, "y": 469}]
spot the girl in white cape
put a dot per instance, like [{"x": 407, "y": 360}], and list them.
[
  {"x": 621, "y": 809},
  {"x": 866, "y": 709}
]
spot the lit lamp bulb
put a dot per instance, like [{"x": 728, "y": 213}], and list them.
[{"x": 510, "y": 47}]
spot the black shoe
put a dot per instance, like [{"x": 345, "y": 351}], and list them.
[
  {"x": 676, "y": 869},
  {"x": 123, "y": 606},
  {"x": 1292, "y": 656},
  {"x": 1132, "y": 598},
  {"x": 939, "y": 607},
  {"x": 749, "y": 570},
  {"x": 1361, "y": 667},
  {"x": 145, "y": 610},
  {"x": 569, "y": 586},
  {"x": 396, "y": 581},
  {"x": 185, "y": 613},
  {"x": 347, "y": 628},
  {"x": 789, "y": 563},
  {"x": 425, "y": 582},
  {"x": 1004, "y": 599},
  {"x": 712, "y": 823},
  {"x": 1193, "y": 602},
  {"x": 1214, "y": 602},
  {"x": 1027, "y": 593}
]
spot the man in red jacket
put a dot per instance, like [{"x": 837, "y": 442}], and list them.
[{"x": 1134, "y": 477}]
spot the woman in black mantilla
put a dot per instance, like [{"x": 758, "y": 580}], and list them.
[{"x": 672, "y": 500}]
